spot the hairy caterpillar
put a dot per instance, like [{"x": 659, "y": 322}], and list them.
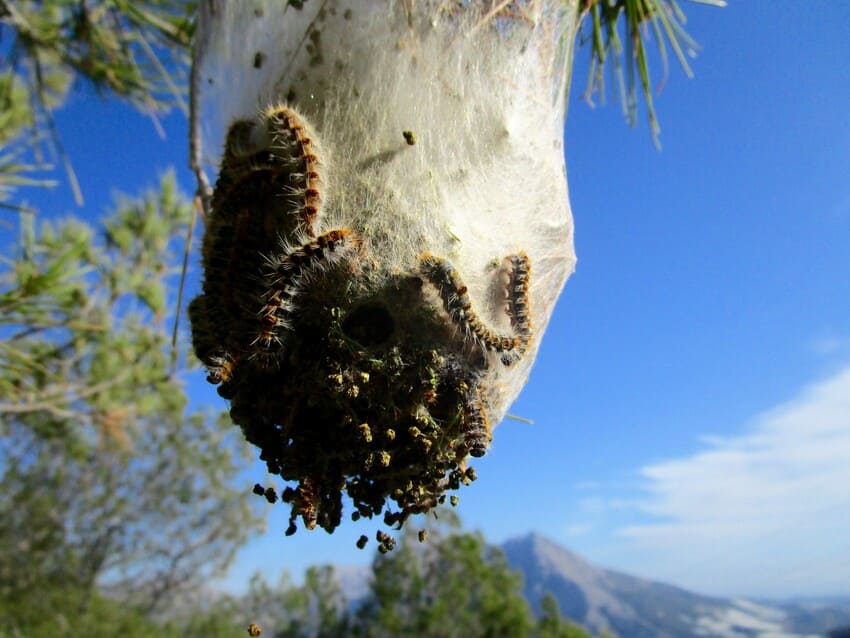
[
  {"x": 293, "y": 134},
  {"x": 206, "y": 344},
  {"x": 271, "y": 159},
  {"x": 287, "y": 274},
  {"x": 477, "y": 434},
  {"x": 455, "y": 296},
  {"x": 519, "y": 309},
  {"x": 278, "y": 145}
]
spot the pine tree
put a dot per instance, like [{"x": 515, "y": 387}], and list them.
[
  {"x": 135, "y": 51},
  {"x": 552, "y": 625},
  {"x": 107, "y": 479},
  {"x": 452, "y": 585}
]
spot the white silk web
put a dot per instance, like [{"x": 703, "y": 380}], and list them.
[{"x": 481, "y": 85}]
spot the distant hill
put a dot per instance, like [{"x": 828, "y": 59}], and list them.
[{"x": 632, "y": 607}]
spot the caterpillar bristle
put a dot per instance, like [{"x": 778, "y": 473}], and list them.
[
  {"x": 298, "y": 144},
  {"x": 286, "y": 277},
  {"x": 477, "y": 434},
  {"x": 458, "y": 305}
]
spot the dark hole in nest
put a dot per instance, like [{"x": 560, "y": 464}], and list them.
[{"x": 369, "y": 325}]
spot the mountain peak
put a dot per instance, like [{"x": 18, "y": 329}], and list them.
[
  {"x": 546, "y": 557},
  {"x": 630, "y": 607}
]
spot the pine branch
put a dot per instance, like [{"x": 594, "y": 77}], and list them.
[{"x": 618, "y": 32}]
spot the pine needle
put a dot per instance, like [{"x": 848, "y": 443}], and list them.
[{"x": 637, "y": 20}]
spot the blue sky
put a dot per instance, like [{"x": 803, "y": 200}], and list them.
[{"x": 691, "y": 400}]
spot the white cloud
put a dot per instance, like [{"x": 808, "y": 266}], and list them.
[
  {"x": 764, "y": 513},
  {"x": 829, "y": 344}
]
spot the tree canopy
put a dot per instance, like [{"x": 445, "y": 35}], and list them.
[{"x": 108, "y": 478}]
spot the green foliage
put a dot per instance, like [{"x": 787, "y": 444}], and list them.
[
  {"x": 136, "y": 50},
  {"x": 129, "y": 48},
  {"x": 454, "y": 584},
  {"x": 618, "y": 34},
  {"x": 451, "y": 586},
  {"x": 315, "y": 609},
  {"x": 552, "y": 625},
  {"x": 54, "y": 611},
  {"x": 106, "y": 478}
]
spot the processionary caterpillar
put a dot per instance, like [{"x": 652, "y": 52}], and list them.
[
  {"x": 286, "y": 275},
  {"x": 458, "y": 305}
]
